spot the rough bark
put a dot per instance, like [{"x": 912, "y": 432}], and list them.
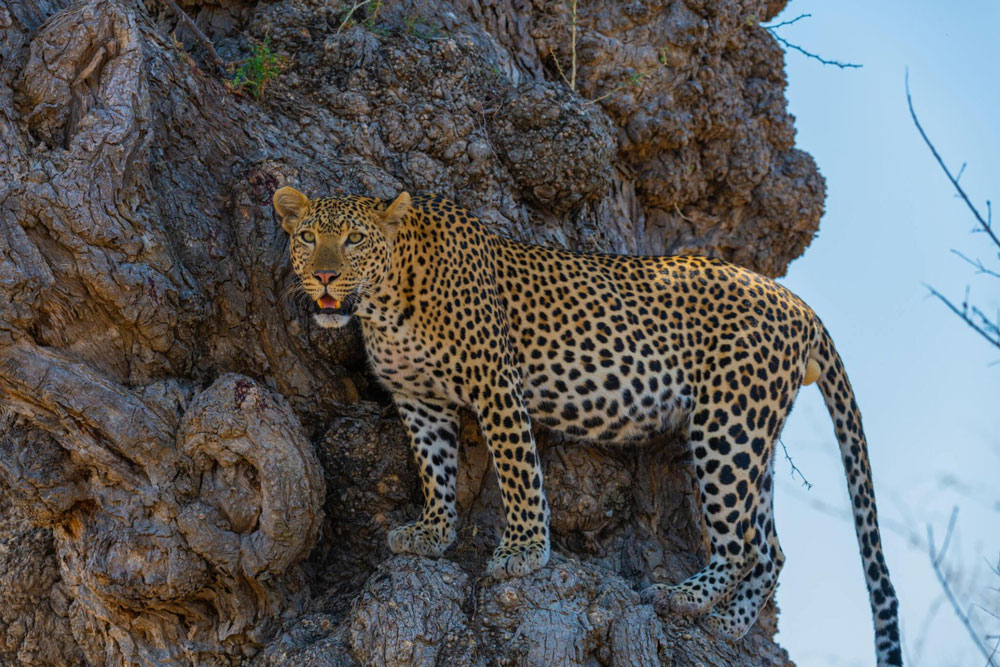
[{"x": 190, "y": 471}]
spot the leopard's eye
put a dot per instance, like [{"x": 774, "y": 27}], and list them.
[
  {"x": 308, "y": 237},
  {"x": 355, "y": 237}
]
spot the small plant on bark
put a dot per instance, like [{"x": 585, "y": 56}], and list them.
[
  {"x": 633, "y": 79},
  {"x": 421, "y": 28},
  {"x": 257, "y": 71}
]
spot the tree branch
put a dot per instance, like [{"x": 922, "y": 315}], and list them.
[
  {"x": 784, "y": 23},
  {"x": 773, "y": 30},
  {"x": 809, "y": 54},
  {"x": 795, "y": 468},
  {"x": 986, "y": 329},
  {"x": 985, "y": 223},
  {"x": 978, "y": 264},
  {"x": 937, "y": 558},
  {"x": 350, "y": 13},
  {"x": 205, "y": 42},
  {"x": 973, "y": 316}
]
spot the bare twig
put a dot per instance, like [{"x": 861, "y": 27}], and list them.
[
  {"x": 985, "y": 223},
  {"x": 784, "y": 23},
  {"x": 994, "y": 652},
  {"x": 350, "y": 13},
  {"x": 205, "y": 42},
  {"x": 571, "y": 80},
  {"x": 937, "y": 559},
  {"x": 633, "y": 80},
  {"x": 572, "y": 76},
  {"x": 795, "y": 469},
  {"x": 988, "y": 612},
  {"x": 809, "y": 54},
  {"x": 485, "y": 126},
  {"x": 978, "y": 264},
  {"x": 972, "y": 316},
  {"x": 774, "y": 28},
  {"x": 677, "y": 210},
  {"x": 608, "y": 93},
  {"x": 555, "y": 59},
  {"x": 984, "y": 327}
]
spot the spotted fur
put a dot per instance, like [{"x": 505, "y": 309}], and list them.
[{"x": 607, "y": 348}]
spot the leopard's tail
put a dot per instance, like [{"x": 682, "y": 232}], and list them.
[{"x": 839, "y": 397}]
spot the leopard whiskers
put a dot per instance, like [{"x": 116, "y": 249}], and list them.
[{"x": 294, "y": 289}]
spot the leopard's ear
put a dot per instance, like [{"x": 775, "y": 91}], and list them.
[
  {"x": 394, "y": 214},
  {"x": 291, "y": 206}
]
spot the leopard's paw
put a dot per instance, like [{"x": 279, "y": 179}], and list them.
[
  {"x": 668, "y": 600},
  {"x": 417, "y": 538},
  {"x": 518, "y": 560},
  {"x": 655, "y": 594},
  {"x": 684, "y": 601},
  {"x": 723, "y": 627}
]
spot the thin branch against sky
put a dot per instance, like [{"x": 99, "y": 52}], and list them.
[
  {"x": 773, "y": 29},
  {"x": 975, "y": 317}
]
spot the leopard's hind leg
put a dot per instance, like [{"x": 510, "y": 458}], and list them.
[
  {"x": 734, "y": 616},
  {"x": 732, "y": 445},
  {"x": 729, "y": 502}
]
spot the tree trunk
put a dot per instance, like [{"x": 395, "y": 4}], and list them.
[{"x": 191, "y": 472}]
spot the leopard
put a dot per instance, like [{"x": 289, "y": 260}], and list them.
[{"x": 604, "y": 348}]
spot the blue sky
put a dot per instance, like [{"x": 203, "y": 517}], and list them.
[{"x": 929, "y": 396}]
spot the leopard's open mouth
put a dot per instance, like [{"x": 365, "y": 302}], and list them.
[{"x": 329, "y": 305}]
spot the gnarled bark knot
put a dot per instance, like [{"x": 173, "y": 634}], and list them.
[{"x": 178, "y": 516}]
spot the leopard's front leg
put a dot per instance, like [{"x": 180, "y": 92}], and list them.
[
  {"x": 506, "y": 427},
  {"x": 433, "y": 429}
]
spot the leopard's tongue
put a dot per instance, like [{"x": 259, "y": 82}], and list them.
[{"x": 327, "y": 301}]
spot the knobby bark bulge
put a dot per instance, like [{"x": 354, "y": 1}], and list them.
[{"x": 191, "y": 471}]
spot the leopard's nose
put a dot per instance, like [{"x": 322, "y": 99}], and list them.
[{"x": 325, "y": 276}]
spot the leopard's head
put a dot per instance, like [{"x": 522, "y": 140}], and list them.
[{"x": 340, "y": 247}]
